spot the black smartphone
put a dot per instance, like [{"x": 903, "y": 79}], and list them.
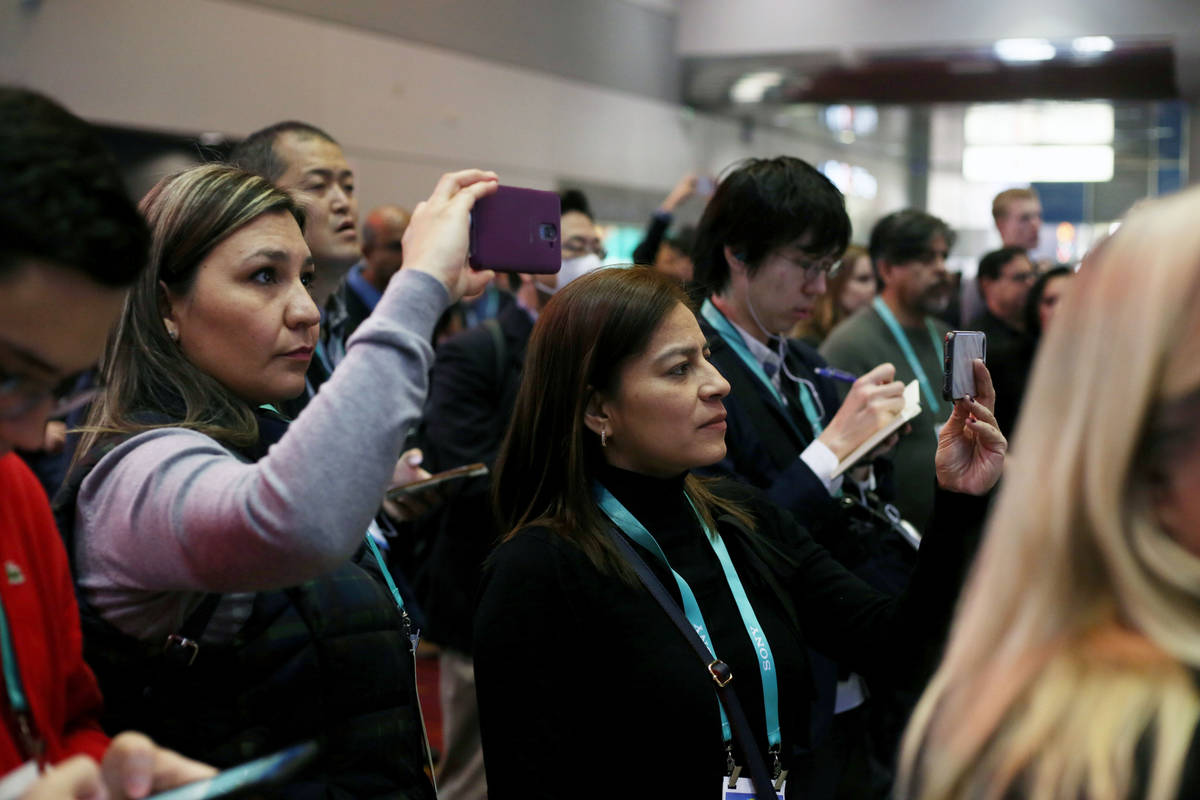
[
  {"x": 517, "y": 230},
  {"x": 253, "y": 776},
  {"x": 438, "y": 479},
  {"x": 961, "y": 348}
]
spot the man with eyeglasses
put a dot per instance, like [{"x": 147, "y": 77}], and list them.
[
  {"x": 771, "y": 233},
  {"x": 909, "y": 250},
  {"x": 1004, "y": 277},
  {"x": 71, "y": 241}
]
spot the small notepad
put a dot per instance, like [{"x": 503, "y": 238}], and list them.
[{"x": 912, "y": 407}]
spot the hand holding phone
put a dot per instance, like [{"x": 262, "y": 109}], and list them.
[
  {"x": 961, "y": 348},
  {"x": 436, "y": 480},
  {"x": 517, "y": 230}
]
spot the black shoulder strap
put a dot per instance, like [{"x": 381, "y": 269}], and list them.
[
  {"x": 718, "y": 670},
  {"x": 65, "y": 505}
]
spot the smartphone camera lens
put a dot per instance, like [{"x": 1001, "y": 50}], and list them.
[{"x": 548, "y": 232}]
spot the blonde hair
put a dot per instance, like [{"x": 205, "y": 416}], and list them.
[
  {"x": 1073, "y": 640},
  {"x": 189, "y": 214},
  {"x": 1001, "y": 201}
]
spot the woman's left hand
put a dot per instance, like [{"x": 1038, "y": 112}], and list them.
[
  {"x": 135, "y": 767},
  {"x": 410, "y": 506},
  {"x": 970, "y": 451}
]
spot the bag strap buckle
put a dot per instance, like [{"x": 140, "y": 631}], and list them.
[
  {"x": 181, "y": 649},
  {"x": 721, "y": 673}
]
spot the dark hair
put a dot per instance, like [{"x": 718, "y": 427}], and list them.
[
  {"x": 992, "y": 264},
  {"x": 904, "y": 236},
  {"x": 764, "y": 204},
  {"x": 62, "y": 199},
  {"x": 546, "y": 464},
  {"x": 256, "y": 153},
  {"x": 1033, "y": 321},
  {"x": 683, "y": 239},
  {"x": 575, "y": 200},
  {"x": 189, "y": 213}
]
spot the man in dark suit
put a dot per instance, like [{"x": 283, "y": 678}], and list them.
[{"x": 767, "y": 239}]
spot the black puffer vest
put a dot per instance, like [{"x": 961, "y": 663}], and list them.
[{"x": 329, "y": 659}]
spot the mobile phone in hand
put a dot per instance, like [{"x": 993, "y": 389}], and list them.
[
  {"x": 249, "y": 778},
  {"x": 961, "y": 348},
  {"x": 457, "y": 474},
  {"x": 517, "y": 230}
]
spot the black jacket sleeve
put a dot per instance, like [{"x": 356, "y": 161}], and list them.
[{"x": 647, "y": 249}]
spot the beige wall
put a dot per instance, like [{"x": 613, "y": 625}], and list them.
[{"x": 404, "y": 112}]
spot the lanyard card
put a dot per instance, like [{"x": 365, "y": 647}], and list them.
[
  {"x": 16, "y": 783},
  {"x": 744, "y": 790}
]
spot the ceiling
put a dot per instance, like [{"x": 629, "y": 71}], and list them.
[{"x": 919, "y": 51}]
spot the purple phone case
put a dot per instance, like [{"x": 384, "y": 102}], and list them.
[{"x": 517, "y": 230}]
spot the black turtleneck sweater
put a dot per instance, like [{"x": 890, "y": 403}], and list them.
[{"x": 587, "y": 690}]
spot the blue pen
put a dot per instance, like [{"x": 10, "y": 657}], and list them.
[{"x": 836, "y": 374}]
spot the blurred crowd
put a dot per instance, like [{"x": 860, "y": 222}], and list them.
[{"x": 703, "y": 552}]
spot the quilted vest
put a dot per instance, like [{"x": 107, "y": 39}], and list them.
[{"x": 329, "y": 660}]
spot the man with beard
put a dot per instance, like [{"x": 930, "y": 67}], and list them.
[{"x": 909, "y": 250}]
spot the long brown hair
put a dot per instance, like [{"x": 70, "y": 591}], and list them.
[
  {"x": 189, "y": 214},
  {"x": 549, "y": 458}
]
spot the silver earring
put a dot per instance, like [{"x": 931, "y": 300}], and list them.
[
  {"x": 173, "y": 335},
  {"x": 604, "y": 437}
]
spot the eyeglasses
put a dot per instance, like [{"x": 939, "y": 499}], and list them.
[
  {"x": 579, "y": 246},
  {"x": 814, "y": 268},
  {"x": 19, "y": 395}
]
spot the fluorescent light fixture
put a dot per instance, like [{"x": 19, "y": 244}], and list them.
[
  {"x": 1021, "y": 50},
  {"x": 751, "y": 87},
  {"x": 1042, "y": 163},
  {"x": 1092, "y": 45},
  {"x": 1089, "y": 122}
]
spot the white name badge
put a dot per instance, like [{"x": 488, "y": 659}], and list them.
[
  {"x": 14, "y": 784},
  {"x": 744, "y": 790}
]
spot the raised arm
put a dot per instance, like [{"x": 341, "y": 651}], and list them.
[{"x": 173, "y": 510}]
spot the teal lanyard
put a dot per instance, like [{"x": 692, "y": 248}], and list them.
[
  {"x": 387, "y": 576},
  {"x": 17, "y": 700},
  {"x": 629, "y": 524},
  {"x": 736, "y": 343},
  {"x": 901, "y": 338}
]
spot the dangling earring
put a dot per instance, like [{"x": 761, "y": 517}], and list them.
[{"x": 604, "y": 437}]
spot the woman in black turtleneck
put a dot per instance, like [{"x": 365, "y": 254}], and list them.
[{"x": 585, "y": 687}]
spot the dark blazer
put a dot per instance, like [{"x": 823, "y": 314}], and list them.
[
  {"x": 764, "y": 441},
  {"x": 471, "y": 397},
  {"x": 763, "y": 446},
  {"x": 355, "y": 308}
]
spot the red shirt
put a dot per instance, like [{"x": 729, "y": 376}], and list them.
[{"x": 39, "y": 601}]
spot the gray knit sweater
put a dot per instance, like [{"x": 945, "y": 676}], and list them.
[{"x": 171, "y": 514}]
